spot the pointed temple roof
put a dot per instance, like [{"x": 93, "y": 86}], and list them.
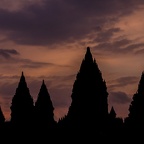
[
  {"x": 22, "y": 81},
  {"x": 112, "y": 112},
  {"x": 43, "y": 98},
  {"x": 22, "y": 88},
  {"x": 43, "y": 89}
]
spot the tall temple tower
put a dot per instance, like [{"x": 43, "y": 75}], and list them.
[
  {"x": 44, "y": 110},
  {"x": 89, "y": 95},
  {"x": 22, "y": 104},
  {"x": 136, "y": 109}
]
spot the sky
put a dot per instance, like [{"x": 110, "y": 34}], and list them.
[{"x": 47, "y": 39}]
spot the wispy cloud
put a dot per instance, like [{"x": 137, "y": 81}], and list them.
[
  {"x": 122, "y": 82},
  {"x": 123, "y": 46},
  {"x": 119, "y": 97},
  {"x": 12, "y": 56},
  {"x": 7, "y": 53}
]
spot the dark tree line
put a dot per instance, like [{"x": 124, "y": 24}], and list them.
[{"x": 87, "y": 115}]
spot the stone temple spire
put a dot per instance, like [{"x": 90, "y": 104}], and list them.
[
  {"x": 44, "y": 110},
  {"x": 22, "y": 103},
  {"x": 89, "y": 94}
]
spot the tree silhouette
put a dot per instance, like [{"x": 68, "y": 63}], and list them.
[
  {"x": 44, "y": 115},
  {"x": 22, "y": 104}
]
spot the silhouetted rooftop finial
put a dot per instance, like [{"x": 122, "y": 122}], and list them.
[
  {"x": 43, "y": 85},
  {"x": 22, "y": 81},
  {"x": 88, "y": 49},
  {"x": 22, "y": 77},
  {"x": 88, "y": 55}
]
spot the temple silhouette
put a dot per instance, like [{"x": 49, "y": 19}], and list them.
[{"x": 87, "y": 118}]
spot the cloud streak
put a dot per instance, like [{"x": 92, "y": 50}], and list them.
[
  {"x": 119, "y": 97},
  {"x": 122, "y": 82},
  {"x": 7, "y": 53}
]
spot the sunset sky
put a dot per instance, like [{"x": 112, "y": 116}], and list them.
[{"x": 47, "y": 39}]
